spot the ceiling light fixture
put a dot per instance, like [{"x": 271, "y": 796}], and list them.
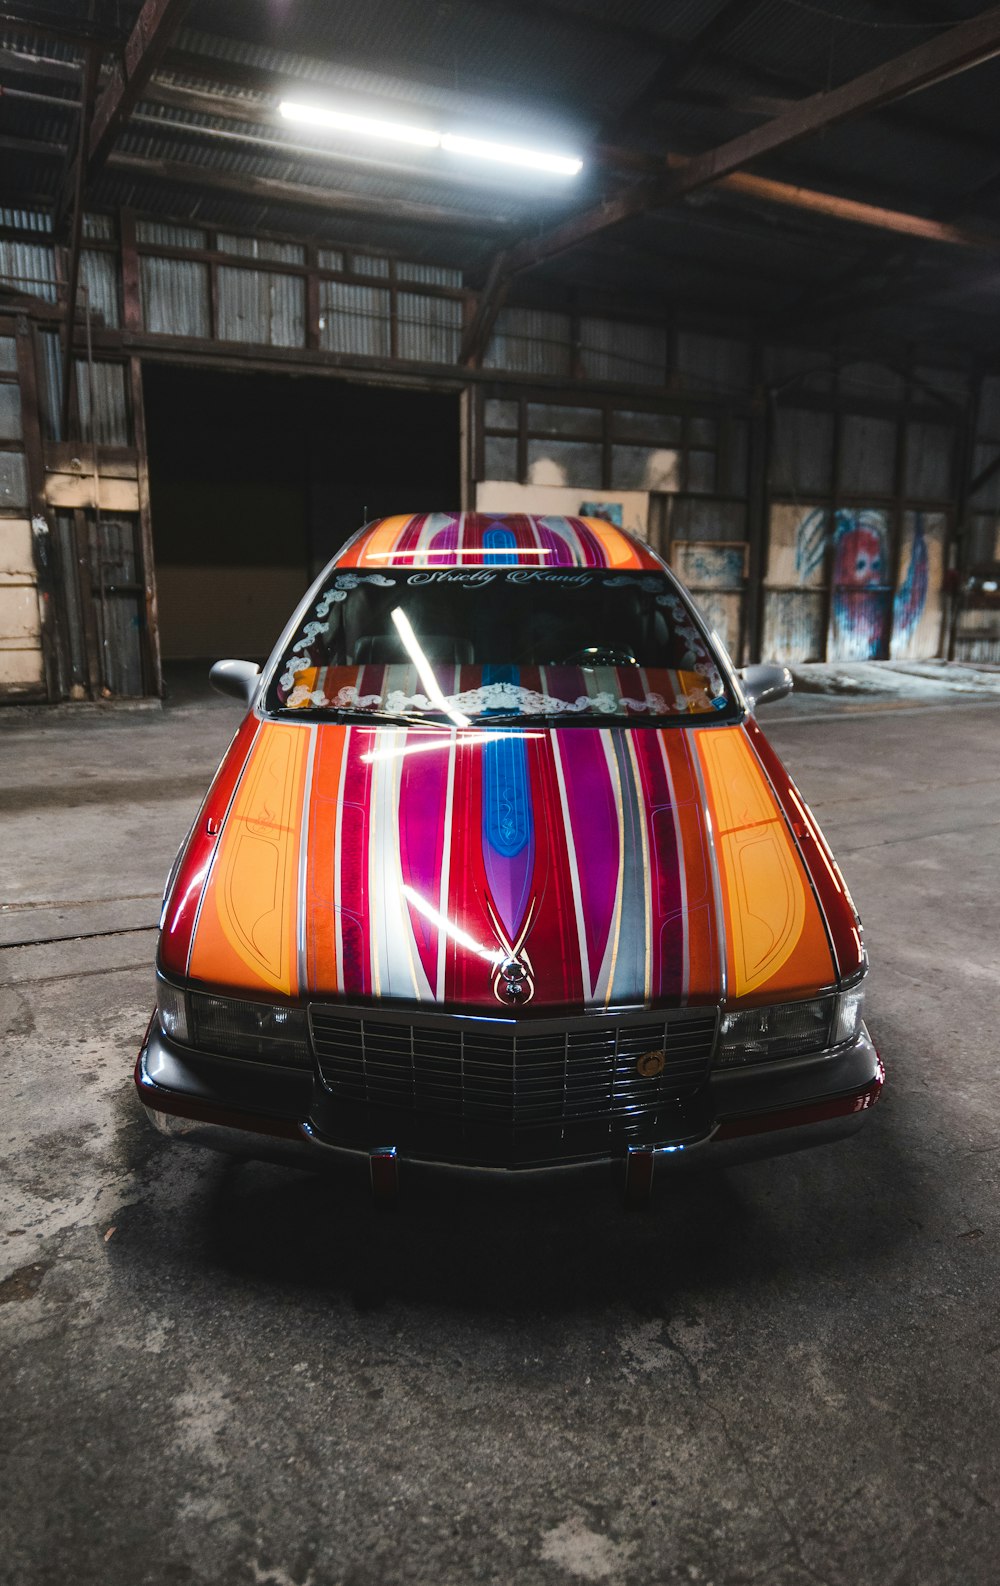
[
  {"x": 342, "y": 121},
  {"x": 425, "y": 137}
]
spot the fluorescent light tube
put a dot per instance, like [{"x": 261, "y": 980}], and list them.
[
  {"x": 510, "y": 154},
  {"x": 427, "y": 138},
  {"x": 342, "y": 121}
]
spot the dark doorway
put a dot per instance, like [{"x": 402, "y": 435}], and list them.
[{"x": 255, "y": 480}]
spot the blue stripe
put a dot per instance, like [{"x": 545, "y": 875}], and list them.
[{"x": 501, "y": 547}]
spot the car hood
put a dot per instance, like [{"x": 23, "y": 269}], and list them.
[{"x": 618, "y": 867}]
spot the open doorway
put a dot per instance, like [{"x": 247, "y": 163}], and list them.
[{"x": 255, "y": 480}]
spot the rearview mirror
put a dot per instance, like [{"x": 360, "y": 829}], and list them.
[
  {"x": 239, "y": 679},
  {"x": 765, "y": 682}
]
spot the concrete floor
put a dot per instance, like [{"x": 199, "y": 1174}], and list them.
[{"x": 217, "y": 1373}]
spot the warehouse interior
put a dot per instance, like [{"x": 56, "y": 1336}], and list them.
[
  {"x": 256, "y": 480},
  {"x": 721, "y": 273},
  {"x": 773, "y": 360}
]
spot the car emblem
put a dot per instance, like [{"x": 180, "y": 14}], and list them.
[
  {"x": 515, "y": 978},
  {"x": 652, "y": 1063}
]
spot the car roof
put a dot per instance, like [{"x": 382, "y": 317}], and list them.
[{"x": 483, "y": 539}]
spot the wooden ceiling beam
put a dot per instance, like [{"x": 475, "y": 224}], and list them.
[
  {"x": 145, "y": 48},
  {"x": 956, "y": 50}
]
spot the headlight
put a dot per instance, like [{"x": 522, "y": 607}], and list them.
[
  {"x": 261, "y": 1031},
  {"x": 789, "y": 1029},
  {"x": 171, "y": 1008}
]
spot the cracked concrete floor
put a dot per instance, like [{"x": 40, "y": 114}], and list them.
[{"x": 220, "y": 1373}]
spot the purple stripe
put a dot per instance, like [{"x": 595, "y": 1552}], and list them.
[{"x": 594, "y": 833}]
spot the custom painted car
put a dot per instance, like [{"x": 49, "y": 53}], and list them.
[{"x": 500, "y": 871}]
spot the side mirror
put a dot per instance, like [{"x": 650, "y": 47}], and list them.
[
  {"x": 765, "y": 682},
  {"x": 239, "y": 679}
]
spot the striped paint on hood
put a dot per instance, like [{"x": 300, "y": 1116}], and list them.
[{"x": 622, "y": 866}]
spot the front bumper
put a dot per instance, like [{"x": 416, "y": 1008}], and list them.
[{"x": 278, "y": 1114}]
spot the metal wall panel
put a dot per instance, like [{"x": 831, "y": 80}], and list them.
[
  {"x": 175, "y": 297},
  {"x": 430, "y": 328},
  {"x": 29, "y": 266},
  {"x": 867, "y": 456},
  {"x": 354, "y": 319},
  {"x": 530, "y": 340},
  {"x": 11, "y": 427},
  {"x": 989, "y": 407},
  {"x": 114, "y": 577},
  {"x": 874, "y": 380},
  {"x": 797, "y": 369},
  {"x": 370, "y": 264},
  {"x": 99, "y": 274},
  {"x": 261, "y": 307},
  {"x": 165, "y": 234},
  {"x": 988, "y": 495},
  {"x": 112, "y": 426},
  {"x": 629, "y": 354},
  {"x": 793, "y": 625},
  {"x": 428, "y": 274},
  {"x": 801, "y": 453},
  {"x": 930, "y": 450},
  {"x": 713, "y": 363},
  {"x": 261, "y": 248}
]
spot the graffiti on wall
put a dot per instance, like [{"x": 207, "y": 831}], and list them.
[{"x": 863, "y": 601}]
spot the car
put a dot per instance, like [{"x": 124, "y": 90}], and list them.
[{"x": 500, "y": 872}]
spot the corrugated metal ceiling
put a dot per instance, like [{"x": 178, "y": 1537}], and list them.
[{"x": 563, "y": 71}]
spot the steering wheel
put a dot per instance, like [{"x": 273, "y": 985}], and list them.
[{"x": 599, "y": 655}]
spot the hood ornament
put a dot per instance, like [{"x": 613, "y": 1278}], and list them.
[{"x": 513, "y": 981}]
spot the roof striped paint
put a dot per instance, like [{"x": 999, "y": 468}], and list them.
[{"x": 482, "y": 539}]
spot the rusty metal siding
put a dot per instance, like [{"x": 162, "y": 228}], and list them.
[
  {"x": 430, "y": 328},
  {"x": 354, "y": 319},
  {"x": 930, "y": 452},
  {"x": 175, "y": 297},
  {"x": 261, "y": 307},
  {"x": 629, "y": 354},
  {"x": 165, "y": 234},
  {"x": 793, "y": 625},
  {"x": 801, "y": 453},
  {"x": 30, "y": 267},
  {"x": 99, "y": 274},
  {"x": 531, "y": 341},
  {"x": 712, "y": 363},
  {"x": 370, "y": 264},
  {"x": 428, "y": 274},
  {"x": 261, "y": 248},
  {"x": 867, "y": 456},
  {"x": 111, "y": 410},
  {"x": 330, "y": 258},
  {"x": 115, "y": 567}
]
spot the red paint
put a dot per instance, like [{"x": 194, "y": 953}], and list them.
[{"x": 794, "y": 1117}]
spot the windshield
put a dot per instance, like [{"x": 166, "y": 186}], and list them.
[{"x": 463, "y": 644}]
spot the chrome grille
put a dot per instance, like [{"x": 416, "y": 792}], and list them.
[{"x": 494, "y": 1072}]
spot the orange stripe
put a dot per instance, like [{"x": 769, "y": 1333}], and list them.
[
  {"x": 699, "y": 906},
  {"x": 373, "y": 548},
  {"x": 246, "y": 935},
  {"x": 619, "y": 551},
  {"x": 321, "y": 932},
  {"x": 775, "y": 942}
]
